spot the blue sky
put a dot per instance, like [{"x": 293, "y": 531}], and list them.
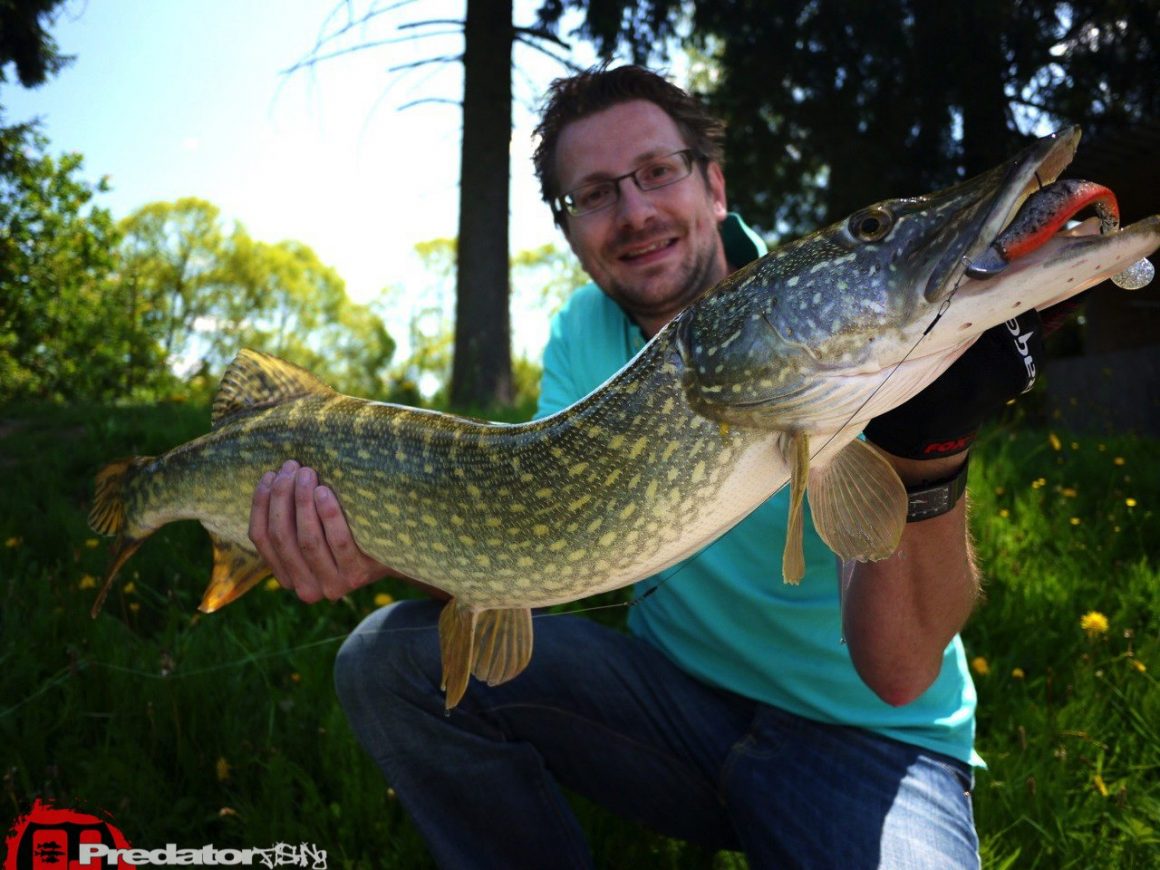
[{"x": 174, "y": 98}]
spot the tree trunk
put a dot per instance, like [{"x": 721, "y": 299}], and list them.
[{"x": 481, "y": 371}]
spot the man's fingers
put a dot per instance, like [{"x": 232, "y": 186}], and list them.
[
  {"x": 312, "y": 541},
  {"x": 260, "y": 514}
]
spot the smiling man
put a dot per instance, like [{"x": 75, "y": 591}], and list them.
[{"x": 828, "y": 724}]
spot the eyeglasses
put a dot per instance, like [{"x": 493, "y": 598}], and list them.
[{"x": 655, "y": 174}]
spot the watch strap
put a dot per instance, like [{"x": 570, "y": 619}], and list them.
[{"x": 934, "y": 499}]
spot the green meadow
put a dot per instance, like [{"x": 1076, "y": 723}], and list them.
[{"x": 224, "y": 729}]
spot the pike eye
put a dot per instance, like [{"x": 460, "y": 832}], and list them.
[{"x": 871, "y": 225}]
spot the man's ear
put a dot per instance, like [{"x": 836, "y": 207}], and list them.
[{"x": 716, "y": 183}]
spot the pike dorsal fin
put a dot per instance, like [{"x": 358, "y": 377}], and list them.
[
  {"x": 858, "y": 503},
  {"x": 259, "y": 380}
]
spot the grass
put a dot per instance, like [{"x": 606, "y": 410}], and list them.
[{"x": 225, "y": 729}]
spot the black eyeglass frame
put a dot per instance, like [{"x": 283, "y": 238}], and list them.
[{"x": 561, "y": 204}]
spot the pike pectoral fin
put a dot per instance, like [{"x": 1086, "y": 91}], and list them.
[
  {"x": 236, "y": 570},
  {"x": 858, "y": 504},
  {"x": 495, "y": 645},
  {"x": 793, "y": 560}
]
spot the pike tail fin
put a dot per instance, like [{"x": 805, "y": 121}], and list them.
[{"x": 108, "y": 516}]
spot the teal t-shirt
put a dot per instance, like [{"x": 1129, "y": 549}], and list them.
[{"x": 724, "y": 615}]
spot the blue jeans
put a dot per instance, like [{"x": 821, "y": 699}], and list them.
[{"x": 612, "y": 718}]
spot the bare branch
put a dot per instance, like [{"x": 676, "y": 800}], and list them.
[
  {"x": 566, "y": 63},
  {"x": 439, "y": 100},
  {"x": 455, "y": 22},
  {"x": 313, "y": 57},
  {"x": 540, "y": 33},
  {"x": 447, "y": 58}
]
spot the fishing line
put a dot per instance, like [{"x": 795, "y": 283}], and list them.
[{"x": 937, "y": 317}]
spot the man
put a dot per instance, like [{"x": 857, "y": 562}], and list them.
[{"x": 820, "y": 725}]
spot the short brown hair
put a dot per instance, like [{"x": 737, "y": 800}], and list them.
[{"x": 599, "y": 88}]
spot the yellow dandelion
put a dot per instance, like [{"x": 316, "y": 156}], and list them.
[
  {"x": 1017, "y": 674},
  {"x": 88, "y": 582},
  {"x": 1056, "y": 444},
  {"x": 1039, "y": 482},
  {"x": 1068, "y": 492},
  {"x": 1138, "y": 665},
  {"x": 222, "y": 768},
  {"x": 1119, "y": 460},
  {"x": 383, "y": 599},
  {"x": 1075, "y": 445},
  {"x": 92, "y": 543},
  {"x": 1130, "y": 502},
  {"x": 1004, "y": 513},
  {"x": 1075, "y": 521},
  {"x": 13, "y": 542},
  {"x": 1094, "y": 623},
  {"x": 273, "y": 585},
  {"x": 979, "y": 666},
  {"x": 1101, "y": 787},
  {"x": 129, "y": 588}
]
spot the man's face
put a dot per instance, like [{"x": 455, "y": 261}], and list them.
[{"x": 652, "y": 251}]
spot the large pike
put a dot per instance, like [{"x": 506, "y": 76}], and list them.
[{"x": 767, "y": 378}]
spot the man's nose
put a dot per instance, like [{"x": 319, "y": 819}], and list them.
[{"x": 635, "y": 207}]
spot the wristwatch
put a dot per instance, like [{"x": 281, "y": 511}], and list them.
[{"x": 933, "y": 499}]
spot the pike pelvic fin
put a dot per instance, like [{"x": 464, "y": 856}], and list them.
[
  {"x": 258, "y": 380},
  {"x": 858, "y": 503},
  {"x": 108, "y": 517},
  {"x": 503, "y": 644},
  {"x": 793, "y": 560},
  {"x": 236, "y": 570},
  {"x": 494, "y": 645}
]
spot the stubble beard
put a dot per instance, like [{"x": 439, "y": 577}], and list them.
[{"x": 692, "y": 278}]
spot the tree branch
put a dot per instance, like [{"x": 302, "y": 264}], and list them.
[
  {"x": 567, "y": 64},
  {"x": 540, "y": 33},
  {"x": 447, "y": 58},
  {"x": 442, "y": 100}
]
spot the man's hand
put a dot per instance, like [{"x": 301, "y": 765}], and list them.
[{"x": 299, "y": 529}]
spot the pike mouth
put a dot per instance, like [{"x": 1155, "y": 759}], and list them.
[{"x": 1038, "y": 166}]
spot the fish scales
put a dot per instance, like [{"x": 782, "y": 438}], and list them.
[
  {"x": 466, "y": 504},
  {"x": 766, "y": 379}
]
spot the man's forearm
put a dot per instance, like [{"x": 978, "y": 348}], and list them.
[{"x": 900, "y": 613}]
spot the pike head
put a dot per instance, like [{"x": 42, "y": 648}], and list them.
[{"x": 848, "y": 322}]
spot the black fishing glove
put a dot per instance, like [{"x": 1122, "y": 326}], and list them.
[{"x": 945, "y": 417}]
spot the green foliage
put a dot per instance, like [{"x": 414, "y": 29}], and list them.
[
  {"x": 93, "y": 310},
  {"x": 25, "y": 43},
  {"x": 225, "y": 728},
  {"x": 62, "y": 331},
  {"x": 200, "y": 291},
  {"x": 1067, "y": 527},
  {"x": 833, "y": 105}
]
